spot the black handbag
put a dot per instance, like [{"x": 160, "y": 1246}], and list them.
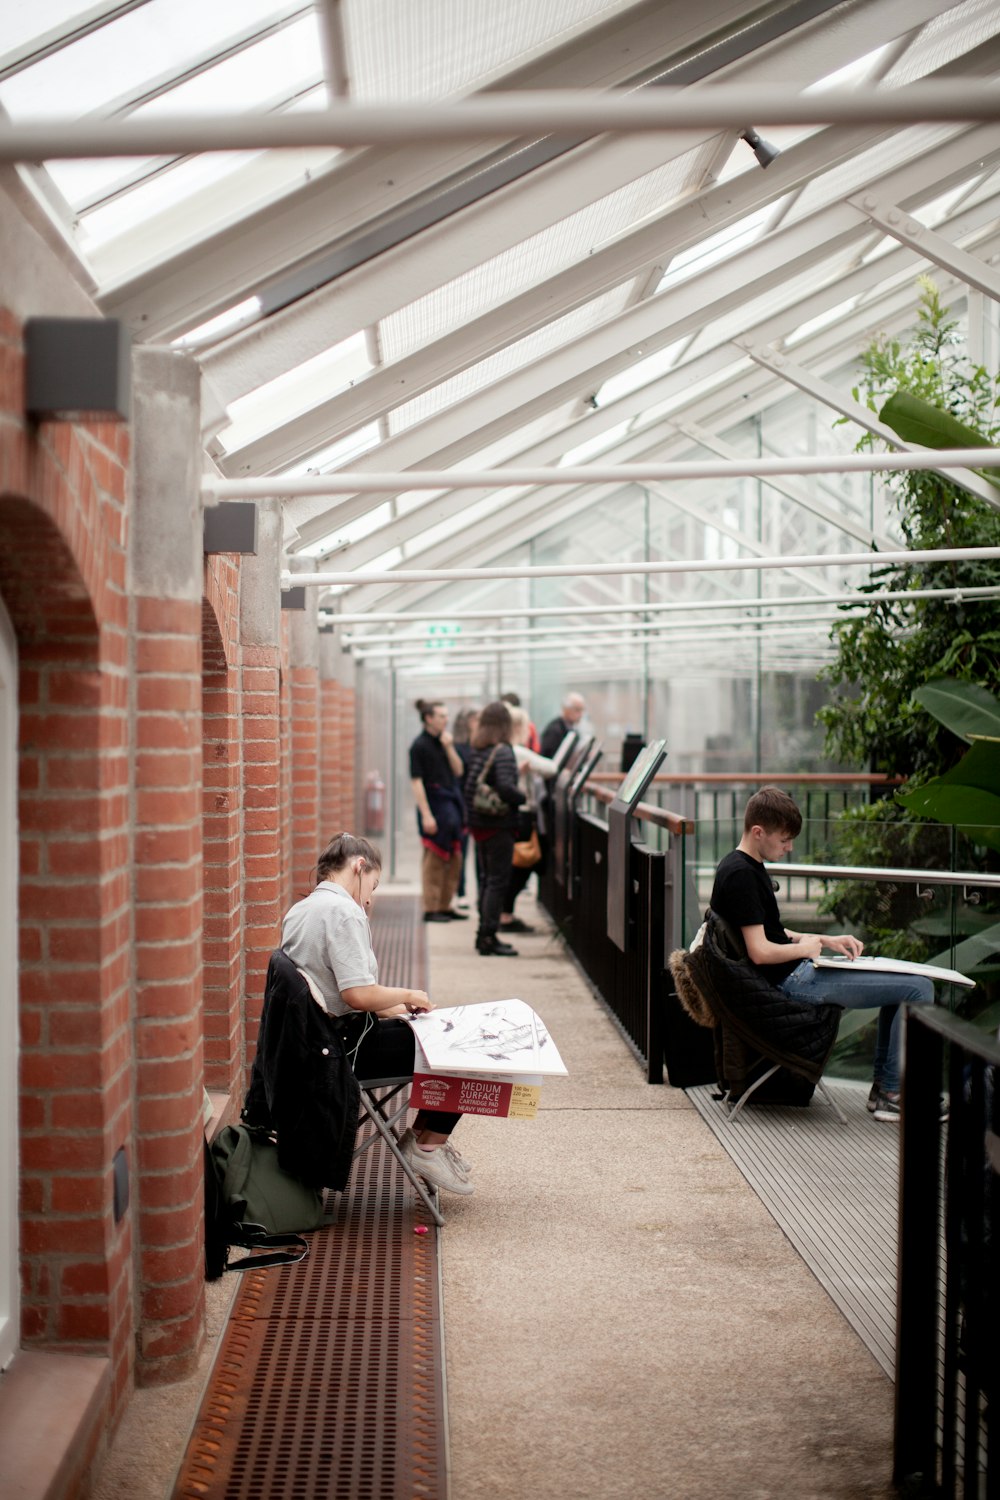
[{"x": 485, "y": 801}]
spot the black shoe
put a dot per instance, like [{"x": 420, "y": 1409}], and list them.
[
  {"x": 455, "y": 916},
  {"x": 436, "y": 916},
  {"x": 493, "y": 946},
  {"x": 516, "y": 925}
]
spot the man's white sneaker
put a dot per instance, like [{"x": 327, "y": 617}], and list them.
[{"x": 436, "y": 1167}]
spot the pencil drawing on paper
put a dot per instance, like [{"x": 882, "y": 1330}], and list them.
[{"x": 494, "y": 1036}]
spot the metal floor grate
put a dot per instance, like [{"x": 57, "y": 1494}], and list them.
[
  {"x": 400, "y": 941},
  {"x": 329, "y": 1379},
  {"x": 834, "y": 1190}
]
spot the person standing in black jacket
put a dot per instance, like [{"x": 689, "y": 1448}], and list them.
[
  {"x": 493, "y": 763},
  {"x": 436, "y": 770},
  {"x": 573, "y": 709}
]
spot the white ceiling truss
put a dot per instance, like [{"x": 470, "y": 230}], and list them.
[{"x": 371, "y": 282}]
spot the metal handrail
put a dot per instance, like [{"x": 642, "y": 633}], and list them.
[
  {"x": 645, "y": 812},
  {"x": 797, "y": 778},
  {"x": 904, "y": 877}
]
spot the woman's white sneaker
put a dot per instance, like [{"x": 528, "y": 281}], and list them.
[{"x": 436, "y": 1167}]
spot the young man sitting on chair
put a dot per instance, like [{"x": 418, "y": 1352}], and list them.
[{"x": 743, "y": 894}]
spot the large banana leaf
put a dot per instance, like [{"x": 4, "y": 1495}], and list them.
[
  {"x": 963, "y": 707},
  {"x": 966, "y": 796},
  {"x": 917, "y": 421}
]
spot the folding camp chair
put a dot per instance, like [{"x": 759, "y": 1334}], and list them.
[
  {"x": 821, "y": 1088},
  {"x": 376, "y": 1105}
]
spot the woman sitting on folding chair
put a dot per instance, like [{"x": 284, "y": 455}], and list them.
[{"x": 327, "y": 937}]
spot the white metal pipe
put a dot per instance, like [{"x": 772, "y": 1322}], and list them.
[
  {"x": 655, "y": 629},
  {"x": 402, "y": 577},
  {"x": 723, "y": 632},
  {"x": 404, "y": 617},
  {"x": 347, "y": 481},
  {"x": 505, "y": 115}
]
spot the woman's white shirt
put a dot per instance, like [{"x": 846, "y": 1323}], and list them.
[
  {"x": 327, "y": 936},
  {"x": 541, "y": 765}
]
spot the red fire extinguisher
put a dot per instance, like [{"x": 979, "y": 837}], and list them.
[{"x": 374, "y": 803}]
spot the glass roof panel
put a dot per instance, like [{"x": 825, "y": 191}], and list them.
[
  {"x": 338, "y": 454},
  {"x": 125, "y": 55},
  {"x": 890, "y": 153},
  {"x": 30, "y": 24},
  {"x": 641, "y": 373},
  {"x": 957, "y": 30},
  {"x": 541, "y": 255},
  {"x": 295, "y": 392},
  {"x": 594, "y": 446},
  {"x": 715, "y": 247},
  {"x": 243, "y": 81},
  {"x": 442, "y": 47},
  {"x": 514, "y": 357}
]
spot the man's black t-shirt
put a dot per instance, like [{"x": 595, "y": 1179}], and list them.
[
  {"x": 744, "y": 895},
  {"x": 429, "y": 762}
]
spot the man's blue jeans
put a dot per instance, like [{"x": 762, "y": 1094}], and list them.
[{"x": 864, "y": 991}]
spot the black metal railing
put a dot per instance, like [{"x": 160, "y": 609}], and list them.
[
  {"x": 634, "y": 982},
  {"x": 947, "y": 1424}
]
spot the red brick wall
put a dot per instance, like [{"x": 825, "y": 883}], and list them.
[
  {"x": 341, "y": 802},
  {"x": 286, "y": 801},
  {"x": 168, "y": 968},
  {"x": 222, "y": 811},
  {"x": 262, "y": 823},
  {"x": 305, "y": 821},
  {"x": 62, "y": 578}
]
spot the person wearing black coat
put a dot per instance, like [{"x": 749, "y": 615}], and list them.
[{"x": 493, "y": 763}]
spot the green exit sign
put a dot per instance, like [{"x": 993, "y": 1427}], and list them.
[{"x": 439, "y": 637}]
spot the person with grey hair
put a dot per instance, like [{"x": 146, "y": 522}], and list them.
[{"x": 573, "y": 709}]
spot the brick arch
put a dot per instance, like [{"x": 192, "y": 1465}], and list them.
[
  {"x": 222, "y": 818},
  {"x": 74, "y": 963}
]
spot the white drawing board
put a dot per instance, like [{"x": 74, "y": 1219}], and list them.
[{"x": 501, "y": 1037}]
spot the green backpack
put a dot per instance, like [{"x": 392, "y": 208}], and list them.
[{"x": 255, "y": 1190}]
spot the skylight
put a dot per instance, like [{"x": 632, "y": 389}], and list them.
[
  {"x": 295, "y": 392},
  {"x": 715, "y": 247}
]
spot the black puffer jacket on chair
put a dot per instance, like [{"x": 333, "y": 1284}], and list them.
[{"x": 756, "y": 1024}]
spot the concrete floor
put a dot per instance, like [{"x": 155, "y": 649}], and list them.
[{"x": 623, "y": 1317}]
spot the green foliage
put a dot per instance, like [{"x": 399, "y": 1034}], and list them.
[
  {"x": 883, "y": 835},
  {"x": 968, "y": 710},
  {"x": 917, "y": 421},
  {"x": 887, "y": 653}
]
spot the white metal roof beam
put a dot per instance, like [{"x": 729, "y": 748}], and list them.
[
  {"x": 757, "y": 391},
  {"x": 373, "y": 186},
  {"x": 897, "y": 223},
  {"x": 829, "y": 346},
  {"x": 680, "y": 228},
  {"x": 502, "y": 407},
  {"x": 789, "y": 488},
  {"x": 654, "y": 442},
  {"x": 805, "y": 380},
  {"x": 410, "y": 269},
  {"x": 521, "y": 315},
  {"x": 330, "y": 18}
]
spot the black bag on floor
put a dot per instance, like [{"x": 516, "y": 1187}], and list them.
[{"x": 226, "y": 1225}]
